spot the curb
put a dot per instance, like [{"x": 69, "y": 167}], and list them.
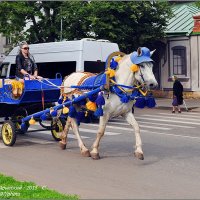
[{"x": 191, "y": 109}]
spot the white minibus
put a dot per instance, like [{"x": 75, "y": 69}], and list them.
[{"x": 63, "y": 57}]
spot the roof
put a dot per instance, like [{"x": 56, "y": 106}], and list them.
[{"x": 182, "y": 23}]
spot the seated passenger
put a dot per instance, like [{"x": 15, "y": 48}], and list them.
[{"x": 25, "y": 64}]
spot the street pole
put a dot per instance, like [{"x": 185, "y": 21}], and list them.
[
  {"x": 61, "y": 29},
  {"x": 61, "y": 25}
]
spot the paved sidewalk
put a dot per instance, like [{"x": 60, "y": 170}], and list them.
[{"x": 192, "y": 104}]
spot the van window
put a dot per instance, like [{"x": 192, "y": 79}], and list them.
[
  {"x": 3, "y": 70},
  {"x": 49, "y": 70},
  {"x": 94, "y": 67}
]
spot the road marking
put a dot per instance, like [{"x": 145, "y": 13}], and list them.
[
  {"x": 167, "y": 120},
  {"x": 95, "y": 131},
  {"x": 170, "y": 134},
  {"x": 172, "y": 117},
  {"x": 152, "y": 132},
  {"x": 173, "y": 125},
  {"x": 180, "y": 115},
  {"x": 69, "y": 135},
  {"x": 143, "y": 126},
  {"x": 74, "y": 137},
  {"x": 193, "y": 113},
  {"x": 116, "y": 119},
  {"x": 130, "y": 129},
  {"x": 42, "y": 141},
  {"x": 37, "y": 140}
]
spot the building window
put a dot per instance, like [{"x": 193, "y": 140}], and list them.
[{"x": 179, "y": 60}]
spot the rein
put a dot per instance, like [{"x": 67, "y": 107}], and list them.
[
  {"x": 142, "y": 76},
  {"x": 110, "y": 83},
  {"x": 131, "y": 88}
]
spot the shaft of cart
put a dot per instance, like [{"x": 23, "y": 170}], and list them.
[{"x": 58, "y": 107}]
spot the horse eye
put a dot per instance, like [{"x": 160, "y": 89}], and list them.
[{"x": 142, "y": 66}]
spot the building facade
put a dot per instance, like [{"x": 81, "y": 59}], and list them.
[
  {"x": 180, "y": 54},
  {"x": 2, "y": 44}
]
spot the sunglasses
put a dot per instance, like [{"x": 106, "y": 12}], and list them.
[{"x": 26, "y": 48}]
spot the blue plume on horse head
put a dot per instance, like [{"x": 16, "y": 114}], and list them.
[
  {"x": 113, "y": 64},
  {"x": 143, "y": 54}
]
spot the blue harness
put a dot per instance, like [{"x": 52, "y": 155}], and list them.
[
  {"x": 100, "y": 80},
  {"x": 94, "y": 81}
]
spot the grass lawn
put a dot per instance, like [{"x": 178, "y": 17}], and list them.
[{"x": 13, "y": 189}]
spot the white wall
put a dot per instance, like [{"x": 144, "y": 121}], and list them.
[
  {"x": 167, "y": 67},
  {"x": 2, "y": 43},
  {"x": 195, "y": 62}
]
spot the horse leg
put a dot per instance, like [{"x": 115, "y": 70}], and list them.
[
  {"x": 102, "y": 126},
  {"x": 63, "y": 136},
  {"x": 138, "y": 146},
  {"x": 84, "y": 151}
]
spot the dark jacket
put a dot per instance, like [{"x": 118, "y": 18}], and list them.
[
  {"x": 178, "y": 91},
  {"x": 27, "y": 64}
]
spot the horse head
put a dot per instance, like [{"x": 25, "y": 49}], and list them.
[{"x": 143, "y": 67}]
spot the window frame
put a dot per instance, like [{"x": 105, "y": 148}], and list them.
[{"x": 182, "y": 60}]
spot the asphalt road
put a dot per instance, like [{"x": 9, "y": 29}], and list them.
[{"x": 170, "y": 170}]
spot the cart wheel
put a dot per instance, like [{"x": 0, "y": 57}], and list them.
[
  {"x": 18, "y": 126},
  {"x": 18, "y": 115},
  {"x": 8, "y": 133},
  {"x": 58, "y": 125}
]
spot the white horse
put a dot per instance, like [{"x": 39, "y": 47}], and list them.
[{"x": 136, "y": 66}]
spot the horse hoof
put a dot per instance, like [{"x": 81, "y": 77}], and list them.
[
  {"x": 85, "y": 153},
  {"x": 62, "y": 145},
  {"x": 139, "y": 155},
  {"x": 95, "y": 156}
]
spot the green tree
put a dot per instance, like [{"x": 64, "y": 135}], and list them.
[
  {"x": 75, "y": 16},
  {"x": 128, "y": 23},
  {"x": 29, "y": 20},
  {"x": 198, "y": 4}
]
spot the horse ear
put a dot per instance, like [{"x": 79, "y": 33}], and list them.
[
  {"x": 151, "y": 53},
  {"x": 139, "y": 51}
]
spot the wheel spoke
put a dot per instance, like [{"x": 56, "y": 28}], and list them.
[
  {"x": 58, "y": 128},
  {"x": 8, "y": 133}
]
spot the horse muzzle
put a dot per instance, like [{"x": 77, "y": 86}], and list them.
[{"x": 152, "y": 85}]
